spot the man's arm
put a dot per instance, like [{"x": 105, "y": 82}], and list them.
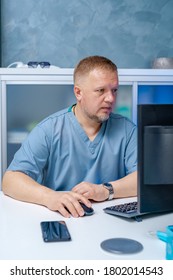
[
  {"x": 21, "y": 187},
  {"x": 125, "y": 187}
]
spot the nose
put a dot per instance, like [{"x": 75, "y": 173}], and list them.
[{"x": 110, "y": 96}]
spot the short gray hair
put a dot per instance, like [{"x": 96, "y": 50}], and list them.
[{"x": 86, "y": 65}]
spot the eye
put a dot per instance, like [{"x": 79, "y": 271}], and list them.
[
  {"x": 100, "y": 90},
  {"x": 114, "y": 90}
]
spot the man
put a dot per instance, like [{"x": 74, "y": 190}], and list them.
[{"x": 81, "y": 153}]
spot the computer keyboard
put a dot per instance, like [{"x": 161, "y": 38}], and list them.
[{"x": 125, "y": 209}]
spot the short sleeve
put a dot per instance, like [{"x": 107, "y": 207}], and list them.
[
  {"x": 32, "y": 157},
  {"x": 131, "y": 148}
]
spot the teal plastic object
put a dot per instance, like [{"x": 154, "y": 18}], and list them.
[{"x": 167, "y": 237}]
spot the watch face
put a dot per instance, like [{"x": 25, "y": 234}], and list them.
[{"x": 107, "y": 184}]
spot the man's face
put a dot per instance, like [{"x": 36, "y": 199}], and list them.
[{"x": 98, "y": 91}]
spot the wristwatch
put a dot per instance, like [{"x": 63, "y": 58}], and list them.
[{"x": 109, "y": 187}]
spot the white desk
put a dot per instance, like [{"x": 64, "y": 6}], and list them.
[{"x": 21, "y": 238}]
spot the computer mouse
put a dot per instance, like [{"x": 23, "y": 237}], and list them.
[{"x": 87, "y": 210}]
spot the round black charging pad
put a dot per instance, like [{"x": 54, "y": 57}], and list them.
[{"x": 121, "y": 246}]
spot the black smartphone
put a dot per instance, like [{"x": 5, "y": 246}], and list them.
[{"x": 53, "y": 231}]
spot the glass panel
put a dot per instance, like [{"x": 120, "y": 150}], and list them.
[
  {"x": 124, "y": 101},
  {"x": 29, "y": 104},
  {"x": 155, "y": 94}
]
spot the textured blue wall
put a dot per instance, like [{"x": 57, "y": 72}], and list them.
[{"x": 130, "y": 32}]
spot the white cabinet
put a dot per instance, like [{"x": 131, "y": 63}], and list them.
[{"x": 29, "y": 95}]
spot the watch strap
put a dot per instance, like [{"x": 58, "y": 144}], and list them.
[{"x": 109, "y": 187}]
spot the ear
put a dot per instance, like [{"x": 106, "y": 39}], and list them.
[{"x": 78, "y": 92}]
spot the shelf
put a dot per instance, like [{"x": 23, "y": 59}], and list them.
[
  {"x": 17, "y": 137},
  {"x": 24, "y": 98}
]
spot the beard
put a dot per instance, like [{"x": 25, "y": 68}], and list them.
[{"x": 97, "y": 118}]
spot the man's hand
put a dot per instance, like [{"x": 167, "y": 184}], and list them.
[
  {"x": 67, "y": 203},
  {"x": 92, "y": 191}
]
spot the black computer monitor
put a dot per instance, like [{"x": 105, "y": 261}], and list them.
[{"x": 155, "y": 158}]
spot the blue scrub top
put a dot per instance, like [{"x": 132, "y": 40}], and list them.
[{"x": 59, "y": 154}]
